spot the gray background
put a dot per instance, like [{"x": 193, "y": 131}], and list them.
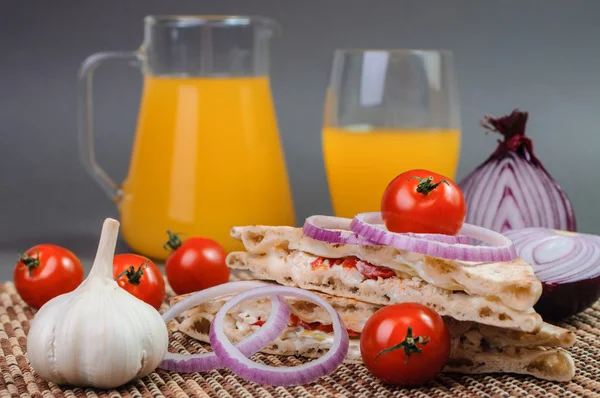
[{"x": 541, "y": 56}]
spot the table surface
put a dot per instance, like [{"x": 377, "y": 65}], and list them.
[
  {"x": 17, "y": 379},
  {"x": 349, "y": 380}
]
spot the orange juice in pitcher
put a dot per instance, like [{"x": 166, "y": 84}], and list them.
[{"x": 206, "y": 153}]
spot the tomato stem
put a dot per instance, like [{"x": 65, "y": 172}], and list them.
[
  {"x": 426, "y": 184},
  {"x": 30, "y": 262},
  {"x": 409, "y": 345},
  {"x": 174, "y": 241},
  {"x": 134, "y": 277}
]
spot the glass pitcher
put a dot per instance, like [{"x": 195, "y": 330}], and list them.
[{"x": 206, "y": 154}]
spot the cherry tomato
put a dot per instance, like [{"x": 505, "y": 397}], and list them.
[
  {"x": 195, "y": 264},
  {"x": 46, "y": 271},
  {"x": 140, "y": 277},
  {"x": 405, "y": 344},
  {"x": 423, "y": 202}
]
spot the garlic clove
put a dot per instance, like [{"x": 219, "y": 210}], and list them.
[
  {"x": 41, "y": 341},
  {"x": 98, "y": 335}
]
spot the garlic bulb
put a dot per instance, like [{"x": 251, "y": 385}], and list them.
[{"x": 98, "y": 335}]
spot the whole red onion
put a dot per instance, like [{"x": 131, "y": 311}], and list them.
[{"x": 512, "y": 189}]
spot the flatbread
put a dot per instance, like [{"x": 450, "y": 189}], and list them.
[
  {"x": 294, "y": 269},
  {"x": 469, "y": 353},
  {"x": 513, "y": 283},
  {"x": 354, "y": 315},
  {"x": 553, "y": 364}
]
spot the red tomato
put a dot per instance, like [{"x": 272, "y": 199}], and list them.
[
  {"x": 46, "y": 271},
  {"x": 405, "y": 344},
  {"x": 423, "y": 202},
  {"x": 195, "y": 264},
  {"x": 140, "y": 277}
]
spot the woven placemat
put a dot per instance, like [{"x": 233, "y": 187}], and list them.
[{"x": 19, "y": 380}]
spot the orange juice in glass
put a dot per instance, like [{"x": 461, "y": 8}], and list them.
[
  {"x": 206, "y": 153},
  {"x": 386, "y": 112}
]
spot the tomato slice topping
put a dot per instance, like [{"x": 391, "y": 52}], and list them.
[
  {"x": 295, "y": 321},
  {"x": 368, "y": 270},
  {"x": 374, "y": 271}
]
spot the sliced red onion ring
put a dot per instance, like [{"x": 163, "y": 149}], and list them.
[
  {"x": 332, "y": 230},
  {"x": 337, "y": 230},
  {"x": 187, "y": 363},
  {"x": 377, "y": 219},
  {"x": 236, "y": 361},
  {"x": 502, "y": 250}
]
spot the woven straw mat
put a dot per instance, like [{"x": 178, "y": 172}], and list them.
[{"x": 19, "y": 380}]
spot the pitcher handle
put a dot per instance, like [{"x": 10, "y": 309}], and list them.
[{"x": 86, "y": 119}]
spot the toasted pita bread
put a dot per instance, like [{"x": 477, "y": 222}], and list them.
[
  {"x": 475, "y": 348},
  {"x": 355, "y": 313},
  {"x": 294, "y": 269},
  {"x": 513, "y": 283},
  {"x": 553, "y": 364}
]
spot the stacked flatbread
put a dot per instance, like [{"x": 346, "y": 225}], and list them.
[{"x": 488, "y": 307}]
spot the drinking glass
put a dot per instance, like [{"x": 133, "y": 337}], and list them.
[{"x": 387, "y": 112}]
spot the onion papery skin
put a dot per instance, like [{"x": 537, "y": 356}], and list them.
[
  {"x": 567, "y": 264},
  {"x": 512, "y": 189}
]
